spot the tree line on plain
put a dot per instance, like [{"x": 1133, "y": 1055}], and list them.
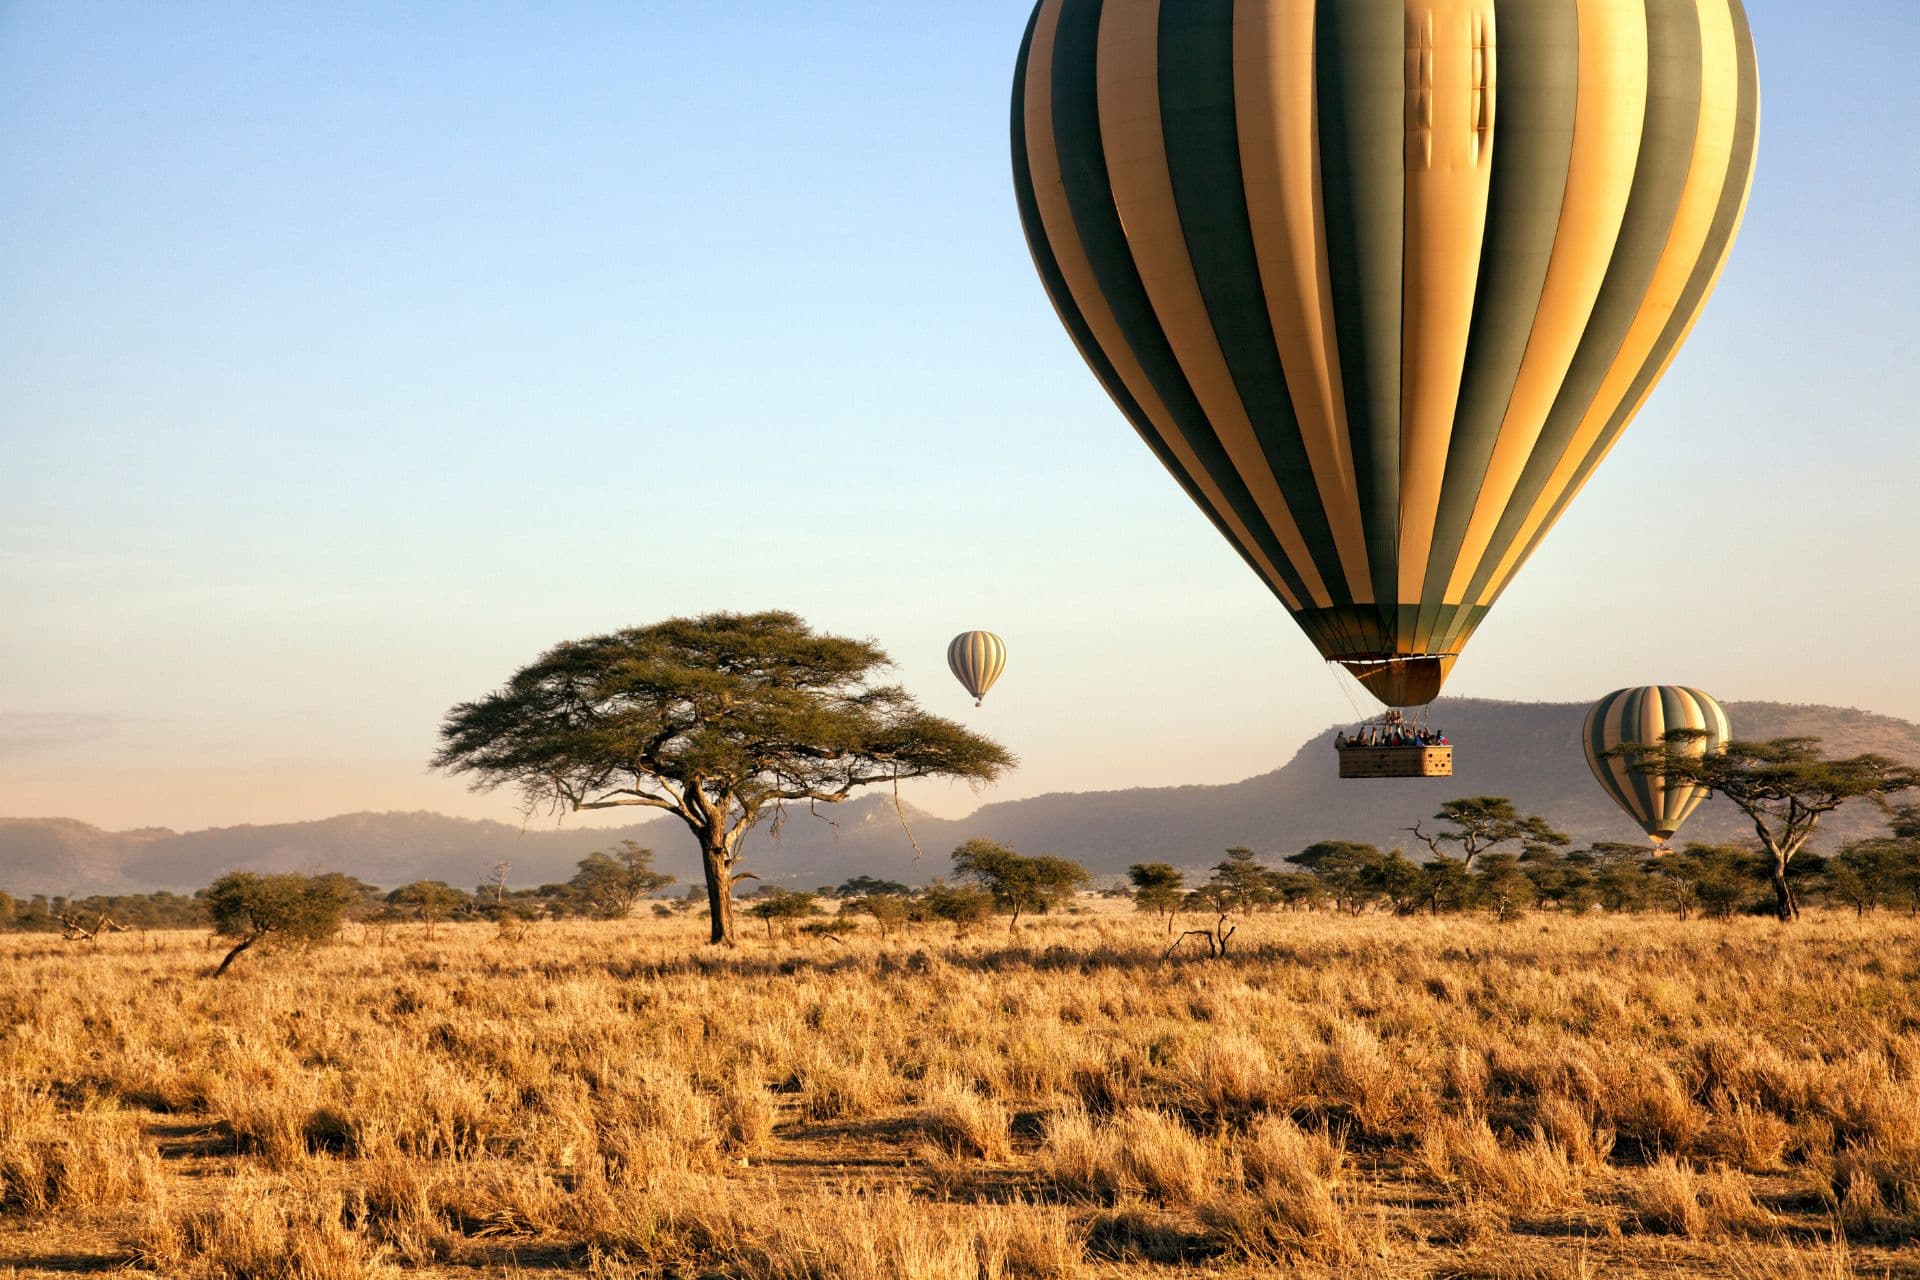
[{"x": 1484, "y": 855}]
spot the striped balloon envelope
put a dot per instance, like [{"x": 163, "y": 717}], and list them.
[
  {"x": 1382, "y": 281},
  {"x": 976, "y": 659},
  {"x": 1643, "y": 715}
]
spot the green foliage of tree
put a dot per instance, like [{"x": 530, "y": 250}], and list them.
[
  {"x": 866, "y": 886},
  {"x": 6, "y": 910},
  {"x": 963, "y": 905},
  {"x": 281, "y": 908},
  {"x": 1348, "y": 870},
  {"x": 1158, "y": 887},
  {"x": 887, "y": 910},
  {"x": 1481, "y": 824},
  {"x": 613, "y": 881},
  {"x": 1241, "y": 883},
  {"x": 718, "y": 720},
  {"x": 1018, "y": 883},
  {"x": 1717, "y": 881},
  {"x": 1503, "y": 887},
  {"x": 428, "y": 901},
  {"x": 784, "y": 907},
  {"x": 1785, "y": 786},
  {"x": 1869, "y": 874}
]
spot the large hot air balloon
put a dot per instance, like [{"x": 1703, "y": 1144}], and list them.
[
  {"x": 976, "y": 659},
  {"x": 1644, "y": 715},
  {"x": 1382, "y": 281}
]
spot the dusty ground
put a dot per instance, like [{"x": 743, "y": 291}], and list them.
[{"x": 1373, "y": 1096}]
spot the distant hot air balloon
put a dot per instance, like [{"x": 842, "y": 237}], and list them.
[
  {"x": 1643, "y": 715},
  {"x": 977, "y": 658},
  {"x": 1382, "y": 281}
]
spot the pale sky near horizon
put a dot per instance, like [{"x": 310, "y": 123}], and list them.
[{"x": 354, "y": 353}]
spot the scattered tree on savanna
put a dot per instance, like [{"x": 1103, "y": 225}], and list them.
[
  {"x": 284, "y": 907},
  {"x": 1017, "y": 882},
  {"x": 1484, "y": 823},
  {"x": 786, "y": 907},
  {"x": 863, "y": 886},
  {"x": 1158, "y": 887},
  {"x": 962, "y": 905},
  {"x": 1784, "y": 786},
  {"x": 497, "y": 879},
  {"x": 428, "y": 901},
  {"x": 1350, "y": 872},
  {"x": 1503, "y": 887},
  {"x": 1239, "y": 884},
  {"x": 1882, "y": 871},
  {"x": 888, "y": 910},
  {"x": 613, "y": 881},
  {"x": 719, "y": 720}
]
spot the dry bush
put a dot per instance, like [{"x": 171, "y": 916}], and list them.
[
  {"x": 1139, "y": 1152},
  {"x": 70, "y": 1162},
  {"x": 962, "y": 1122},
  {"x": 1524, "y": 1177},
  {"x": 1667, "y": 1196},
  {"x": 261, "y": 1232},
  {"x": 1290, "y": 1210}
]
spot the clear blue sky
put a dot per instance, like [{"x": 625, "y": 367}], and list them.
[{"x": 352, "y": 353}]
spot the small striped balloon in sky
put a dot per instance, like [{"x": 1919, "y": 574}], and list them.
[
  {"x": 977, "y": 658},
  {"x": 1644, "y": 715}
]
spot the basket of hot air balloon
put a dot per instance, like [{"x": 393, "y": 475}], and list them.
[
  {"x": 1381, "y": 282},
  {"x": 1394, "y": 746}
]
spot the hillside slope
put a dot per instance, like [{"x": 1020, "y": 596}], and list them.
[{"x": 1528, "y": 751}]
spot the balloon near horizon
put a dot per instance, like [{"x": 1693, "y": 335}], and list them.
[
  {"x": 1381, "y": 282},
  {"x": 976, "y": 659},
  {"x": 1644, "y": 715}
]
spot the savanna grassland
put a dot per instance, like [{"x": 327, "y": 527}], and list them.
[{"x": 1599, "y": 1096}]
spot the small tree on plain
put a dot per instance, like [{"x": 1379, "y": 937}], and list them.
[
  {"x": 428, "y": 901},
  {"x": 1349, "y": 870},
  {"x": 962, "y": 905},
  {"x": 281, "y": 908},
  {"x": 1784, "y": 786},
  {"x": 863, "y": 885},
  {"x": 785, "y": 907},
  {"x": 1017, "y": 882},
  {"x": 887, "y": 910},
  {"x": 718, "y": 720},
  {"x": 1158, "y": 887},
  {"x": 614, "y": 881},
  {"x": 1484, "y": 823}
]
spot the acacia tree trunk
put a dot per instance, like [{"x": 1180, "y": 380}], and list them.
[
  {"x": 715, "y": 859},
  {"x": 234, "y": 954},
  {"x": 1783, "y": 891}
]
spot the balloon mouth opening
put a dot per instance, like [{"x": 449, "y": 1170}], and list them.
[{"x": 1406, "y": 680}]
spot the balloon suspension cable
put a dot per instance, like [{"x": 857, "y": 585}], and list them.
[{"x": 1335, "y": 670}]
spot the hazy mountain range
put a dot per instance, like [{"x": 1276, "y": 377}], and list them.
[{"x": 1528, "y": 751}]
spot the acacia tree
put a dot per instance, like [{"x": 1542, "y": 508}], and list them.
[
  {"x": 719, "y": 720},
  {"x": 1017, "y": 882},
  {"x": 1483, "y": 823},
  {"x": 1784, "y": 786},
  {"x": 614, "y": 880},
  {"x": 428, "y": 901},
  {"x": 1157, "y": 887},
  {"x": 254, "y": 909}
]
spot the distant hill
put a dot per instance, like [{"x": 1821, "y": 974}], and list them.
[{"x": 1528, "y": 751}]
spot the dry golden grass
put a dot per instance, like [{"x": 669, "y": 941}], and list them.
[{"x": 1372, "y": 1096}]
